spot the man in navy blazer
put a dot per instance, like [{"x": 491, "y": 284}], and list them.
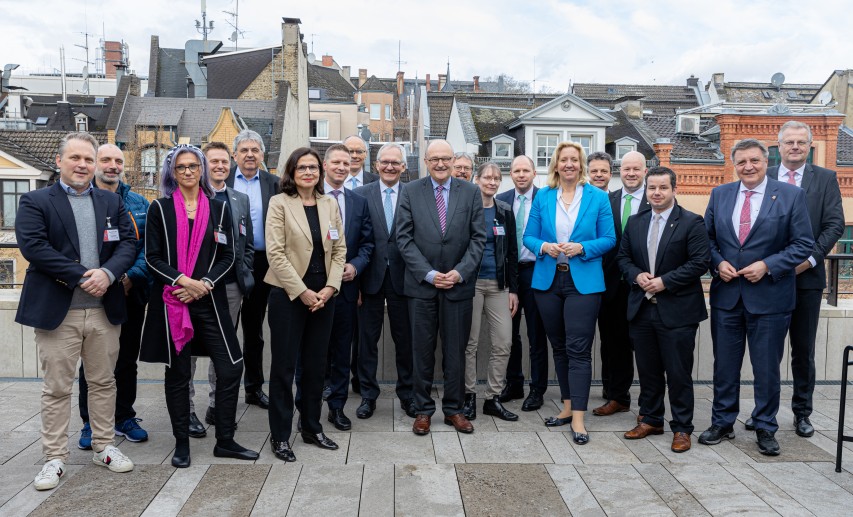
[
  {"x": 523, "y": 171},
  {"x": 358, "y": 232},
  {"x": 823, "y": 196},
  {"x": 759, "y": 231},
  {"x": 79, "y": 241}
]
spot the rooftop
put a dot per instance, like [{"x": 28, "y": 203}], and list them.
[{"x": 660, "y": 99}]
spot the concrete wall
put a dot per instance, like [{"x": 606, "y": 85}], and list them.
[{"x": 19, "y": 357}]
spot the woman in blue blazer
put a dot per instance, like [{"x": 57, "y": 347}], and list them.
[{"x": 569, "y": 229}]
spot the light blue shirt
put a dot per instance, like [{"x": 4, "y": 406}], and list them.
[
  {"x": 252, "y": 188},
  {"x": 446, "y": 195},
  {"x": 71, "y": 192}
]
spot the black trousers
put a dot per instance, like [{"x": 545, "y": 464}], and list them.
[
  {"x": 206, "y": 330},
  {"x": 617, "y": 357},
  {"x": 804, "y": 322},
  {"x": 297, "y": 332},
  {"x": 452, "y": 319},
  {"x": 253, "y": 312},
  {"x": 664, "y": 359},
  {"x": 125, "y": 372},
  {"x": 536, "y": 338},
  {"x": 371, "y": 317}
]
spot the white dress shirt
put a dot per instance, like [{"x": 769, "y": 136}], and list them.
[
  {"x": 754, "y": 204},
  {"x": 359, "y": 180},
  {"x": 524, "y": 254},
  {"x": 566, "y": 218},
  {"x": 664, "y": 216},
  {"x": 636, "y": 198},
  {"x": 341, "y": 200},
  {"x": 798, "y": 177}
]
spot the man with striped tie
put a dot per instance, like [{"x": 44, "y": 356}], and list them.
[{"x": 441, "y": 236}]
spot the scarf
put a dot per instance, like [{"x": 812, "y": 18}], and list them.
[{"x": 189, "y": 246}]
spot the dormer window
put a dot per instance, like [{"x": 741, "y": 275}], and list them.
[
  {"x": 502, "y": 150},
  {"x": 624, "y": 146},
  {"x": 502, "y": 147},
  {"x": 81, "y": 122}
]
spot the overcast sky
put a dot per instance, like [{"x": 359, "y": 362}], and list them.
[{"x": 644, "y": 42}]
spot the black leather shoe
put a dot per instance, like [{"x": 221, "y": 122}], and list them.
[
  {"x": 258, "y": 398},
  {"x": 366, "y": 409},
  {"x": 356, "y": 385},
  {"x": 181, "y": 458},
  {"x": 320, "y": 440},
  {"x": 210, "y": 417},
  {"x": 803, "y": 426},
  {"x": 282, "y": 450},
  {"x": 469, "y": 408},
  {"x": 534, "y": 401},
  {"x": 749, "y": 425},
  {"x": 339, "y": 420},
  {"x": 767, "y": 444},
  {"x": 580, "y": 438},
  {"x": 408, "y": 405},
  {"x": 511, "y": 392},
  {"x": 715, "y": 434},
  {"x": 234, "y": 451},
  {"x": 553, "y": 421},
  {"x": 327, "y": 391},
  {"x": 493, "y": 407},
  {"x": 197, "y": 429}
]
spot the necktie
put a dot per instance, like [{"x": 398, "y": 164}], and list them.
[
  {"x": 626, "y": 210},
  {"x": 745, "y": 219},
  {"x": 353, "y": 182},
  {"x": 792, "y": 178},
  {"x": 441, "y": 207},
  {"x": 389, "y": 209},
  {"x": 519, "y": 223},
  {"x": 653, "y": 246},
  {"x": 337, "y": 193}
]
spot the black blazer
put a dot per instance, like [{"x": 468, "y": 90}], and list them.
[
  {"x": 244, "y": 237},
  {"x": 47, "y": 237},
  {"x": 270, "y": 186},
  {"x": 612, "y": 275},
  {"x": 358, "y": 231},
  {"x": 369, "y": 178},
  {"x": 214, "y": 261},
  {"x": 506, "y": 247},
  {"x": 682, "y": 258},
  {"x": 823, "y": 197},
  {"x": 386, "y": 254}
]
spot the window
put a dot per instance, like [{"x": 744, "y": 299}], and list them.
[
  {"x": 82, "y": 124},
  {"x": 774, "y": 158},
  {"x": 319, "y": 129},
  {"x": 387, "y": 112},
  {"x": 387, "y": 137},
  {"x": 7, "y": 272},
  {"x": 585, "y": 141},
  {"x": 623, "y": 149},
  {"x": 313, "y": 93},
  {"x": 545, "y": 146},
  {"x": 502, "y": 150},
  {"x": 11, "y": 191},
  {"x": 150, "y": 160},
  {"x": 375, "y": 112}
]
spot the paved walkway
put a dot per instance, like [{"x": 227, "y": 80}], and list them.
[{"x": 519, "y": 468}]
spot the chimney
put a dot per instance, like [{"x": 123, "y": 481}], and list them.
[
  {"x": 718, "y": 78},
  {"x": 692, "y": 81},
  {"x": 294, "y": 55},
  {"x": 476, "y": 84},
  {"x": 345, "y": 72},
  {"x": 442, "y": 78},
  {"x": 362, "y": 77},
  {"x": 328, "y": 61},
  {"x": 400, "y": 83},
  {"x": 632, "y": 109},
  {"x": 428, "y": 84}
]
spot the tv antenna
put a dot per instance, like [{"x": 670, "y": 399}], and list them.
[
  {"x": 312, "y": 41},
  {"x": 400, "y": 61},
  {"x": 235, "y": 15},
  {"x": 86, "y": 62},
  {"x": 204, "y": 27}
]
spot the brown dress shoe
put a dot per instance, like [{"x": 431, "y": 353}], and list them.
[
  {"x": 421, "y": 425},
  {"x": 459, "y": 422},
  {"x": 680, "y": 442},
  {"x": 610, "y": 408},
  {"x": 642, "y": 430}
]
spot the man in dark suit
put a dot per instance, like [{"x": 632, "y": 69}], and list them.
[
  {"x": 78, "y": 241},
  {"x": 249, "y": 178},
  {"x": 760, "y": 232},
  {"x": 522, "y": 171},
  {"x": 664, "y": 253},
  {"x": 823, "y": 196},
  {"x": 358, "y": 177},
  {"x": 441, "y": 236},
  {"x": 617, "y": 358},
  {"x": 381, "y": 284},
  {"x": 358, "y": 232}
]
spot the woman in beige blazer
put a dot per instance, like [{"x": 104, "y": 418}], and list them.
[{"x": 306, "y": 251}]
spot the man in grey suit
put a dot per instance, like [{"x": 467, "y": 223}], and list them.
[
  {"x": 441, "y": 235},
  {"x": 381, "y": 283},
  {"x": 239, "y": 281}
]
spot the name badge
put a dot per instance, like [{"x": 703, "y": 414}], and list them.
[
  {"x": 499, "y": 230},
  {"x": 221, "y": 238},
  {"x": 111, "y": 235},
  {"x": 333, "y": 234},
  {"x": 242, "y": 229}
]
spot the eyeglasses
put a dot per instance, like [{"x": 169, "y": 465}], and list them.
[
  {"x": 193, "y": 167},
  {"x": 384, "y": 163},
  {"x": 435, "y": 160},
  {"x": 308, "y": 168},
  {"x": 798, "y": 143},
  {"x": 356, "y": 151},
  {"x": 462, "y": 168}
]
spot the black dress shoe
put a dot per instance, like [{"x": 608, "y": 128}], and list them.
[
  {"x": 282, "y": 450},
  {"x": 408, "y": 405},
  {"x": 749, "y": 425},
  {"x": 366, "y": 409},
  {"x": 715, "y": 434},
  {"x": 258, "y": 398},
  {"x": 554, "y": 421},
  {"x": 803, "y": 426},
  {"x": 533, "y": 401},
  {"x": 493, "y": 407},
  {"x": 767, "y": 444},
  {"x": 181, "y": 458},
  {"x": 580, "y": 438},
  {"x": 327, "y": 391},
  {"x": 197, "y": 429},
  {"x": 339, "y": 420},
  {"x": 233, "y": 450},
  {"x": 511, "y": 392},
  {"x": 469, "y": 407},
  {"x": 320, "y": 440}
]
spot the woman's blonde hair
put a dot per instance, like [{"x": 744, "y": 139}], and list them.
[{"x": 554, "y": 176}]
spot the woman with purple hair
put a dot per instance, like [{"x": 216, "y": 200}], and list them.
[{"x": 188, "y": 248}]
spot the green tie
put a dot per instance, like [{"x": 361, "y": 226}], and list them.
[
  {"x": 519, "y": 223},
  {"x": 626, "y": 211}
]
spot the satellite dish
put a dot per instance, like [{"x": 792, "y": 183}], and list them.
[
  {"x": 233, "y": 36},
  {"x": 311, "y": 58},
  {"x": 777, "y": 79},
  {"x": 825, "y": 98}
]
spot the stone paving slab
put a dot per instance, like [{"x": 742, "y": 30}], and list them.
[
  {"x": 426, "y": 490},
  {"x": 621, "y": 490},
  {"x": 604, "y": 448},
  {"x": 277, "y": 492},
  {"x": 176, "y": 491},
  {"x": 12, "y": 442},
  {"x": 670, "y": 490},
  {"x": 390, "y": 447},
  {"x": 820, "y": 496},
  {"x": 574, "y": 491},
  {"x": 717, "y": 490},
  {"x": 494, "y": 490},
  {"x": 327, "y": 490},
  {"x": 792, "y": 448},
  {"x": 377, "y": 490},
  {"x": 766, "y": 490},
  {"x": 481, "y": 447},
  {"x": 226, "y": 490}
]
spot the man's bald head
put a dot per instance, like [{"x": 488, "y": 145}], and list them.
[
  {"x": 632, "y": 171},
  {"x": 109, "y": 166},
  {"x": 439, "y": 159}
]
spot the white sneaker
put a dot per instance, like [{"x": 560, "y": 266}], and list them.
[
  {"x": 49, "y": 476},
  {"x": 113, "y": 459}
]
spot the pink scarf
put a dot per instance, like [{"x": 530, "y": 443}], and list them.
[{"x": 188, "y": 248}]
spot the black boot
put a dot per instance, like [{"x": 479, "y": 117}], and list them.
[{"x": 469, "y": 409}]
